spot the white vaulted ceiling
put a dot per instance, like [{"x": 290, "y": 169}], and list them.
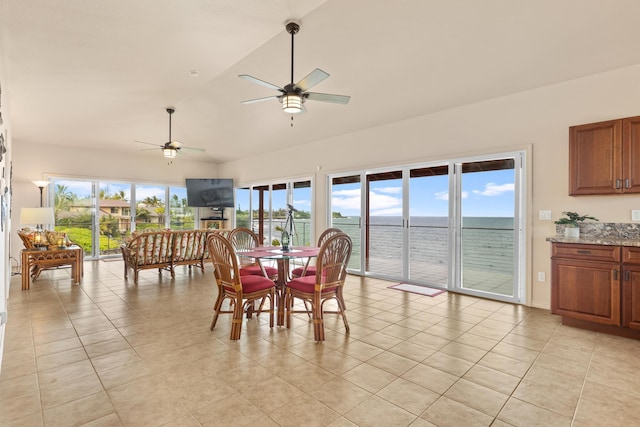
[{"x": 101, "y": 73}]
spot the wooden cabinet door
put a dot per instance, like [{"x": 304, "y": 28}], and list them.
[
  {"x": 586, "y": 290},
  {"x": 595, "y": 158},
  {"x": 631, "y": 154},
  {"x": 631, "y": 297}
]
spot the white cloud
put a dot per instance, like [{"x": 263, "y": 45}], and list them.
[
  {"x": 390, "y": 190},
  {"x": 347, "y": 193},
  {"x": 379, "y": 202},
  {"x": 345, "y": 200},
  {"x": 387, "y": 212},
  {"x": 492, "y": 189},
  {"x": 444, "y": 195},
  {"x": 297, "y": 203}
]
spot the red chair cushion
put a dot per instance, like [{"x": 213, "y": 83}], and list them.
[
  {"x": 255, "y": 270},
  {"x": 255, "y": 283},
  {"x": 306, "y": 284},
  {"x": 311, "y": 271}
]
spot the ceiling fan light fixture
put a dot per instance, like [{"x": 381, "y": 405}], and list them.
[
  {"x": 170, "y": 153},
  {"x": 292, "y": 103}
]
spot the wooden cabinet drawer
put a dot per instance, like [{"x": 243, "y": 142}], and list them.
[
  {"x": 587, "y": 252},
  {"x": 631, "y": 255}
]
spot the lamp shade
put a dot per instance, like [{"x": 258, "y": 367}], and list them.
[
  {"x": 170, "y": 153},
  {"x": 41, "y": 184},
  {"x": 292, "y": 103},
  {"x": 36, "y": 216}
]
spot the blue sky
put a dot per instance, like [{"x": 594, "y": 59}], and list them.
[
  {"x": 483, "y": 194},
  {"x": 82, "y": 189}
]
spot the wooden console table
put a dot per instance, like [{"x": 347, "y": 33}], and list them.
[{"x": 53, "y": 257}]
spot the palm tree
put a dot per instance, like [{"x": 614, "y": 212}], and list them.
[
  {"x": 152, "y": 201},
  {"x": 63, "y": 199}
]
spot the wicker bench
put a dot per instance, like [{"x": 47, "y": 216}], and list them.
[{"x": 164, "y": 250}]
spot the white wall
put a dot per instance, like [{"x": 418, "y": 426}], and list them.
[
  {"x": 37, "y": 161},
  {"x": 538, "y": 119}
]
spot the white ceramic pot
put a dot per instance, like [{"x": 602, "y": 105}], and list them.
[{"x": 572, "y": 232}]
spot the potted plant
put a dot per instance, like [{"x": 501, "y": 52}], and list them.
[{"x": 572, "y": 221}]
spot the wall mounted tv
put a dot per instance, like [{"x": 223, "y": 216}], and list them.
[{"x": 210, "y": 193}]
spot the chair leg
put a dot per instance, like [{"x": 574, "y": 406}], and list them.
[
  {"x": 288, "y": 306},
  {"x": 318, "y": 321},
  {"x": 342, "y": 313},
  {"x": 271, "y": 308},
  {"x": 236, "y": 322},
  {"x": 216, "y": 311}
]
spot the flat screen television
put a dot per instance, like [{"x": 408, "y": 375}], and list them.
[{"x": 210, "y": 193}]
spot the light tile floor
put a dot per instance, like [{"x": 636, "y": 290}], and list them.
[{"x": 111, "y": 353}]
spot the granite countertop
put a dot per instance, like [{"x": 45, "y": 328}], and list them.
[{"x": 601, "y": 233}]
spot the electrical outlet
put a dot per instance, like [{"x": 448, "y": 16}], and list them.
[
  {"x": 544, "y": 215},
  {"x": 635, "y": 215},
  {"x": 541, "y": 276}
]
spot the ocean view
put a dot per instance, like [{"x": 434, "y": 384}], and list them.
[{"x": 487, "y": 248}]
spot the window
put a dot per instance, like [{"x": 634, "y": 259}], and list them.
[{"x": 98, "y": 214}]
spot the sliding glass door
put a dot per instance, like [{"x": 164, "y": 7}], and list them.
[
  {"x": 384, "y": 224},
  {"x": 114, "y": 212},
  {"x": 346, "y": 213},
  {"x": 265, "y": 208},
  {"x": 456, "y": 225},
  {"x": 428, "y": 252},
  {"x": 488, "y": 231},
  {"x": 99, "y": 215}
]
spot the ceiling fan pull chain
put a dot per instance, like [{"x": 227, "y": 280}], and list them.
[{"x": 291, "y": 121}]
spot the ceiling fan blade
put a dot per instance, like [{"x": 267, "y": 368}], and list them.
[
  {"x": 327, "y": 97},
  {"x": 251, "y": 101},
  {"x": 199, "y": 150},
  {"x": 173, "y": 144},
  {"x": 312, "y": 79},
  {"x": 148, "y": 143},
  {"x": 260, "y": 82}
]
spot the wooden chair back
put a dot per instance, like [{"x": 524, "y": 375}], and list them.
[
  {"x": 225, "y": 262},
  {"x": 244, "y": 239},
  {"x": 26, "y": 240},
  {"x": 326, "y": 234},
  {"x": 332, "y": 262}
]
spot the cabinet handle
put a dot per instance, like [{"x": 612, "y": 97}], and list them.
[
  {"x": 627, "y": 184},
  {"x": 584, "y": 251},
  {"x": 626, "y": 275},
  {"x": 615, "y": 274},
  {"x": 618, "y": 184}
]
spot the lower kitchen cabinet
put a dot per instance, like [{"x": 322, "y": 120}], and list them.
[
  {"x": 631, "y": 288},
  {"x": 585, "y": 282}
]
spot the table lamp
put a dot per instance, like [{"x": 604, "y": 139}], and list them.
[{"x": 37, "y": 217}]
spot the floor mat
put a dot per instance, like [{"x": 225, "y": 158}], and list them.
[{"x": 417, "y": 289}]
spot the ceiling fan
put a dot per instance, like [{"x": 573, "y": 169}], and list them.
[
  {"x": 172, "y": 148},
  {"x": 293, "y": 95}
]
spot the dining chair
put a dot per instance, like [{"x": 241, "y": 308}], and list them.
[
  {"x": 326, "y": 285},
  {"x": 241, "y": 291},
  {"x": 244, "y": 239},
  {"x": 310, "y": 270}
]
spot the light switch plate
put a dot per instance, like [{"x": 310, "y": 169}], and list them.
[
  {"x": 544, "y": 215},
  {"x": 635, "y": 215}
]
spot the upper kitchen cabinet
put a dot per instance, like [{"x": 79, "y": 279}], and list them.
[{"x": 604, "y": 157}]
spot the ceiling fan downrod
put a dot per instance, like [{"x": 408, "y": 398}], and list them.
[
  {"x": 170, "y": 110},
  {"x": 292, "y": 28}
]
